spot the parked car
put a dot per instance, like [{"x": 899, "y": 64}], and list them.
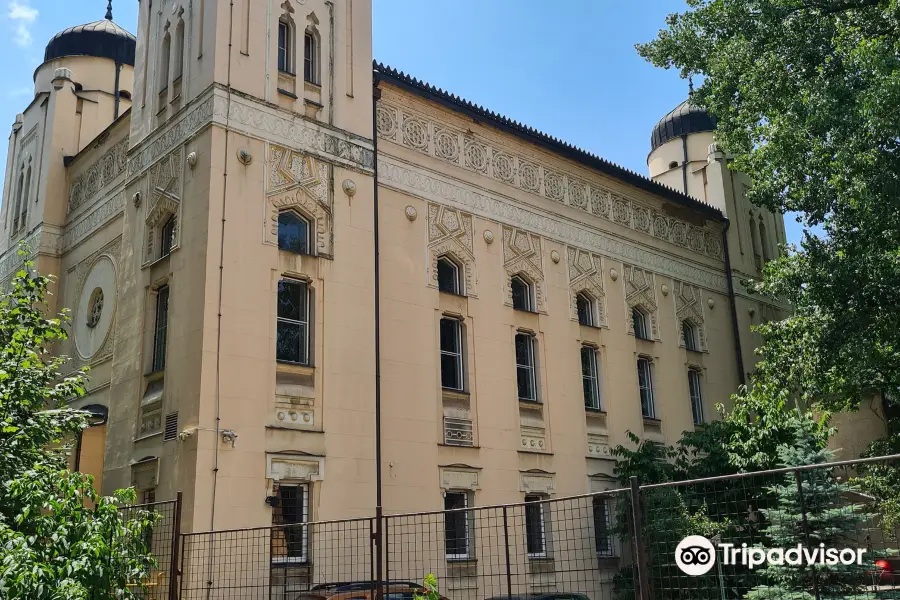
[
  {"x": 887, "y": 572},
  {"x": 546, "y": 596},
  {"x": 363, "y": 590}
]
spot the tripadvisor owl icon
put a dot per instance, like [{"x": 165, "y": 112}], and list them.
[{"x": 695, "y": 555}]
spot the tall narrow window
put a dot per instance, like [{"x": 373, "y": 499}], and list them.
[
  {"x": 448, "y": 276},
  {"x": 535, "y": 534},
  {"x": 602, "y": 527},
  {"x": 285, "y": 47},
  {"x": 25, "y": 195},
  {"x": 290, "y": 513},
  {"x": 178, "y": 55},
  {"x": 167, "y": 237},
  {"x": 764, "y": 241},
  {"x": 754, "y": 238},
  {"x": 585, "y": 307},
  {"x": 645, "y": 386},
  {"x": 161, "y": 330},
  {"x": 293, "y": 233},
  {"x": 456, "y": 526},
  {"x": 292, "y": 337},
  {"x": 690, "y": 335},
  {"x": 696, "y": 398},
  {"x": 525, "y": 367},
  {"x": 451, "y": 354},
  {"x": 589, "y": 378},
  {"x": 310, "y": 57},
  {"x": 164, "y": 56},
  {"x": 20, "y": 188},
  {"x": 639, "y": 320},
  {"x": 522, "y": 293}
]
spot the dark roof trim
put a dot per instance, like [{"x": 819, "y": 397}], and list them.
[{"x": 539, "y": 138}]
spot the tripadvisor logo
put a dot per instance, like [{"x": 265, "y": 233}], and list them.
[{"x": 695, "y": 555}]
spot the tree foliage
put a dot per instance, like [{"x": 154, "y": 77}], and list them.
[
  {"x": 58, "y": 538},
  {"x": 806, "y": 95}
]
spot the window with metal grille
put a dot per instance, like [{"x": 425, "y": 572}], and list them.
[
  {"x": 525, "y": 367},
  {"x": 602, "y": 526},
  {"x": 690, "y": 335},
  {"x": 639, "y": 319},
  {"x": 458, "y": 432},
  {"x": 293, "y": 232},
  {"x": 696, "y": 398},
  {"x": 535, "y": 534},
  {"x": 451, "y": 354},
  {"x": 585, "y": 307},
  {"x": 292, "y": 336},
  {"x": 291, "y": 513},
  {"x": 448, "y": 276},
  {"x": 645, "y": 385},
  {"x": 171, "y": 430},
  {"x": 457, "y": 537},
  {"x": 590, "y": 379},
  {"x": 161, "y": 329},
  {"x": 522, "y": 293}
]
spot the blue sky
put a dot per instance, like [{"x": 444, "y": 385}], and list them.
[{"x": 570, "y": 70}]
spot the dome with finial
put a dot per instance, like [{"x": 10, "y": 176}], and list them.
[
  {"x": 684, "y": 119},
  {"x": 103, "y": 39}
]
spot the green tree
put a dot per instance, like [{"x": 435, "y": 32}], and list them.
[
  {"x": 53, "y": 545},
  {"x": 817, "y": 517},
  {"x": 806, "y": 95}
]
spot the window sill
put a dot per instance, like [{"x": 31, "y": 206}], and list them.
[
  {"x": 155, "y": 375},
  {"x": 294, "y": 368},
  {"x": 287, "y": 73},
  {"x": 540, "y": 558},
  {"x": 314, "y": 104},
  {"x": 454, "y": 294},
  {"x": 531, "y": 404},
  {"x": 147, "y": 436},
  {"x": 287, "y": 93},
  {"x": 595, "y": 411},
  {"x": 462, "y": 561},
  {"x": 451, "y": 394},
  {"x": 443, "y": 445},
  {"x": 652, "y": 421},
  {"x": 541, "y": 452},
  {"x": 312, "y": 85},
  {"x": 597, "y": 327},
  {"x": 527, "y": 311}
]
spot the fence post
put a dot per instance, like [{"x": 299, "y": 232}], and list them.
[
  {"x": 815, "y": 580},
  {"x": 642, "y": 590},
  {"x": 176, "y": 537},
  {"x": 506, "y": 546},
  {"x": 372, "y": 554}
]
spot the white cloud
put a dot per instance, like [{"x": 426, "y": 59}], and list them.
[{"x": 22, "y": 15}]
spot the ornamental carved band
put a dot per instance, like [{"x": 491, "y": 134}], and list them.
[
  {"x": 451, "y": 234},
  {"x": 429, "y": 135},
  {"x": 586, "y": 277},
  {"x": 298, "y": 182},
  {"x": 522, "y": 256},
  {"x": 688, "y": 307},
  {"x": 165, "y": 191},
  {"x": 640, "y": 293},
  {"x": 107, "y": 168}
]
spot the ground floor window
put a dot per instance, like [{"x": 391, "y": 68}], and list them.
[
  {"x": 457, "y": 526},
  {"x": 535, "y": 531},
  {"x": 290, "y": 511}
]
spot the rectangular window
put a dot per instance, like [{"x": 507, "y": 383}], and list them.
[
  {"x": 162, "y": 323},
  {"x": 589, "y": 377},
  {"x": 535, "y": 534},
  {"x": 290, "y": 512},
  {"x": 292, "y": 343},
  {"x": 457, "y": 535},
  {"x": 645, "y": 384},
  {"x": 310, "y": 60},
  {"x": 525, "y": 367},
  {"x": 602, "y": 527},
  {"x": 451, "y": 354},
  {"x": 639, "y": 319},
  {"x": 284, "y": 47},
  {"x": 696, "y": 399}
]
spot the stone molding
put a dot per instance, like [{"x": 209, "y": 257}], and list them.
[
  {"x": 586, "y": 275},
  {"x": 451, "y": 232},
  {"x": 104, "y": 213},
  {"x": 640, "y": 292},
  {"x": 522, "y": 254},
  {"x": 294, "y": 467},
  {"x": 689, "y": 305},
  {"x": 432, "y": 187},
  {"x": 431, "y": 136},
  {"x": 100, "y": 174}
]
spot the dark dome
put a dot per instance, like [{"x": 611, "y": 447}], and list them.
[
  {"x": 103, "y": 39},
  {"x": 684, "y": 119}
]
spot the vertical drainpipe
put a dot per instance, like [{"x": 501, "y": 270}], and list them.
[
  {"x": 379, "y": 511},
  {"x": 736, "y": 330},
  {"x": 684, "y": 163}
]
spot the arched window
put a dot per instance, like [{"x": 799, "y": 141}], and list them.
[
  {"x": 164, "y": 55},
  {"x": 754, "y": 238},
  {"x": 286, "y": 45},
  {"x": 17, "y": 206},
  {"x": 178, "y": 64},
  {"x": 448, "y": 276},
  {"x": 690, "y": 335},
  {"x": 25, "y": 196},
  {"x": 522, "y": 293},
  {"x": 125, "y": 94},
  {"x": 167, "y": 237},
  {"x": 639, "y": 321},
  {"x": 764, "y": 241},
  {"x": 585, "y": 306},
  {"x": 293, "y": 233},
  {"x": 311, "y": 56}
]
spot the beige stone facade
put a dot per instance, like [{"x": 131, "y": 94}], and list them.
[{"x": 164, "y": 227}]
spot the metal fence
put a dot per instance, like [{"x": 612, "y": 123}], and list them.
[
  {"x": 615, "y": 545},
  {"x": 162, "y": 540}
]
